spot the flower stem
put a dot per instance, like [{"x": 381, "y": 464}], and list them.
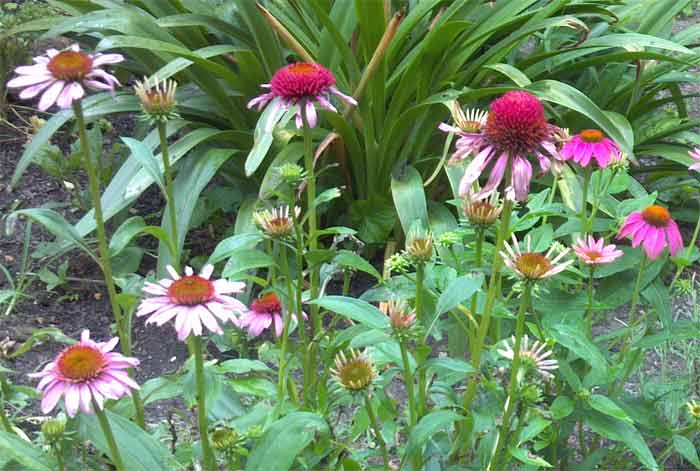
[
  {"x": 281, "y": 386},
  {"x": 589, "y": 304},
  {"x": 167, "y": 170},
  {"x": 408, "y": 379},
  {"x": 313, "y": 223},
  {"x": 515, "y": 368},
  {"x": 196, "y": 347},
  {"x": 635, "y": 293},
  {"x": 584, "y": 199},
  {"x": 422, "y": 386},
  {"x": 688, "y": 251},
  {"x": 377, "y": 431},
  {"x": 481, "y": 234},
  {"x": 552, "y": 193},
  {"x": 103, "y": 247},
  {"x": 109, "y": 436},
  {"x": 6, "y": 424}
]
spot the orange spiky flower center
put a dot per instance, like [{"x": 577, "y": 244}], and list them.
[
  {"x": 592, "y": 135},
  {"x": 268, "y": 303},
  {"x": 533, "y": 265},
  {"x": 191, "y": 290},
  {"x": 80, "y": 362},
  {"x": 656, "y": 215},
  {"x": 70, "y": 65}
]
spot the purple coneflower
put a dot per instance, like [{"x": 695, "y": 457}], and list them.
[
  {"x": 533, "y": 265},
  {"x": 591, "y": 144},
  {"x": 654, "y": 229},
  {"x": 84, "y": 373},
  {"x": 193, "y": 300},
  {"x": 264, "y": 312},
  {"x": 63, "y": 75},
  {"x": 594, "y": 252},
  {"x": 695, "y": 155},
  {"x": 516, "y": 128},
  {"x": 304, "y": 84}
]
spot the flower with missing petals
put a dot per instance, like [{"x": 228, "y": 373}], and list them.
[
  {"x": 84, "y": 374},
  {"x": 401, "y": 317},
  {"x": 61, "y": 76},
  {"x": 419, "y": 244},
  {"x": 354, "y": 372},
  {"x": 303, "y": 85},
  {"x": 482, "y": 210},
  {"x": 695, "y": 155},
  {"x": 277, "y": 222},
  {"x": 594, "y": 252},
  {"x": 533, "y": 357},
  {"x": 157, "y": 98},
  {"x": 654, "y": 229},
  {"x": 467, "y": 123},
  {"x": 533, "y": 265},
  {"x": 516, "y": 128},
  {"x": 193, "y": 300},
  {"x": 591, "y": 144}
]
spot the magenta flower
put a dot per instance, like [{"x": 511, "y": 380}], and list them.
[
  {"x": 193, "y": 300},
  {"x": 63, "y": 75},
  {"x": 594, "y": 252},
  {"x": 303, "y": 84},
  {"x": 654, "y": 228},
  {"x": 85, "y": 372},
  {"x": 591, "y": 144},
  {"x": 516, "y": 127},
  {"x": 264, "y": 312},
  {"x": 695, "y": 155}
]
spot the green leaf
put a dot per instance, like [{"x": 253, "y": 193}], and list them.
[
  {"x": 561, "y": 407},
  {"x": 458, "y": 290},
  {"x": 125, "y": 233},
  {"x": 147, "y": 160},
  {"x": 24, "y": 453},
  {"x": 355, "y": 309},
  {"x": 263, "y": 135},
  {"x": 657, "y": 294},
  {"x": 526, "y": 457},
  {"x": 606, "y": 406},
  {"x": 574, "y": 338},
  {"x": 373, "y": 218},
  {"x": 242, "y": 366},
  {"x": 513, "y": 73},
  {"x": 428, "y": 426},
  {"x": 686, "y": 449},
  {"x": 41, "y": 335},
  {"x": 409, "y": 198},
  {"x": 284, "y": 440},
  {"x": 231, "y": 245},
  {"x": 348, "y": 259},
  {"x": 246, "y": 259},
  {"x": 620, "y": 431},
  {"x": 451, "y": 365},
  {"x": 139, "y": 450}
]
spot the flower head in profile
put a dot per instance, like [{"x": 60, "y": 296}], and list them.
[
  {"x": 515, "y": 129},
  {"x": 591, "y": 144},
  {"x": 355, "y": 372},
  {"x": 419, "y": 244},
  {"x": 533, "y": 265},
  {"x": 264, "y": 312},
  {"x": 193, "y": 300},
  {"x": 467, "y": 123},
  {"x": 304, "y": 85},
  {"x": 482, "y": 210},
  {"x": 157, "y": 98},
  {"x": 533, "y": 357},
  {"x": 62, "y": 76},
  {"x": 277, "y": 222},
  {"x": 594, "y": 252},
  {"x": 401, "y": 317},
  {"x": 654, "y": 229},
  {"x": 695, "y": 155},
  {"x": 84, "y": 374}
]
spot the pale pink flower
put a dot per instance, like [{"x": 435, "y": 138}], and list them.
[
  {"x": 516, "y": 128},
  {"x": 695, "y": 155},
  {"x": 655, "y": 229},
  {"x": 594, "y": 252},
  {"x": 533, "y": 265},
  {"x": 63, "y": 75},
  {"x": 591, "y": 144},
  {"x": 85, "y": 372},
  {"x": 193, "y": 300},
  {"x": 305, "y": 85}
]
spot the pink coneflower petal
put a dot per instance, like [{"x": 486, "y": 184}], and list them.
[
  {"x": 653, "y": 229},
  {"x": 590, "y": 144},
  {"x": 84, "y": 372},
  {"x": 262, "y": 314},
  {"x": 26, "y": 80},
  {"x": 594, "y": 252},
  {"x": 195, "y": 302},
  {"x": 72, "y": 91},
  {"x": 48, "y": 98}
]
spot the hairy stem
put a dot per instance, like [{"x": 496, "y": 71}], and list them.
[
  {"x": 208, "y": 457},
  {"x": 377, "y": 430},
  {"x": 167, "y": 171},
  {"x": 109, "y": 436}
]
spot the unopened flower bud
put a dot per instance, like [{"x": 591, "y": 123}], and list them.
[
  {"x": 157, "y": 98},
  {"x": 419, "y": 244},
  {"x": 53, "y": 430},
  {"x": 224, "y": 439}
]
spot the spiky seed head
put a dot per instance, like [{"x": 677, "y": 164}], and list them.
[
  {"x": 157, "y": 98},
  {"x": 419, "y": 244},
  {"x": 224, "y": 438},
  {"x": 355, "y": 372}
]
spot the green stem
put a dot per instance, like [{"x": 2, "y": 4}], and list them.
[
  {"x": 109, "y": 436},
  {"x": 103, "y": 247},
  {"x": 408, "y": 379},
  {"x": 377, "y": 431},
  {"x": 552, "y": 193},
  {"x": 584, "y": 199},
  {"x": 58, "y": 453},
  {"x": 422, "y": 386},
  {"x": 596, "y": 200},
  {"x": 589, "y": 304},
  {"x": 689, "y": 251},
  {"x": 514, "y": 371},
  {"x": 314, "y": 270},
  {"x": 635, "y": 293},
  {"x": 6, "y": 424},
  {"x": 196, "y": 347},
  {"x": 287, "y": 321},
  {"x": 420, "y": 276},
  {"x": 481, "y": 234},
  {"x": 167, "y": 171}
]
